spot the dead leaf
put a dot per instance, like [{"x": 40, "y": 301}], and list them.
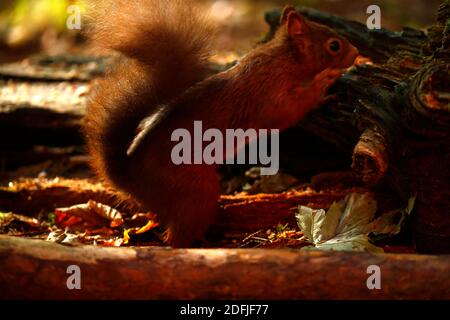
[
  {"x": 64, "y": 237},
  {"x": 7, "y": 218},
  {"x": 149, "y": 226},
  {"x": 92, "y": 214},
  {"x": 347, "y": 224}
]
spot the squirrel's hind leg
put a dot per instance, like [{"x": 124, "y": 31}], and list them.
[
  {"x": 184, "y": 198},
  {"x": 195, "y": 212}
]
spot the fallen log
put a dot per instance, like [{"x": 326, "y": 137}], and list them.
[
  {"x": 43, "y": 99},
  {"x": 34, "y": 269},
  {"x": 263, "y": 211}
]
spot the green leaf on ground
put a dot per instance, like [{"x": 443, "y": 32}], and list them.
[{"x": 346, "y": 226}]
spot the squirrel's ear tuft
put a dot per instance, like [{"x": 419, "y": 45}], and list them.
[
  {"x": 284, "y": 17},
  {"x": 296, "y": 24}
]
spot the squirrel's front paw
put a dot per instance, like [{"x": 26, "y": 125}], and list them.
[
  {"x": 324, "y": 80},
  {"x": 328, "y": 76}
]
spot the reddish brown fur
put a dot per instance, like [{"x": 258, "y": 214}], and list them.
[{"x": 272, "y": 87}]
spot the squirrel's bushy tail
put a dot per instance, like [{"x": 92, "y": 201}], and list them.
[
  {"x": 163, "y": 32},
  {"x": 166, "y": 45}
]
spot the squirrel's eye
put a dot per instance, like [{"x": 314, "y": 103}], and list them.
[{"x": 334, "y": 45}]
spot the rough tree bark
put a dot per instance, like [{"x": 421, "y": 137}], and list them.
[{"x": 38, "y": 270}]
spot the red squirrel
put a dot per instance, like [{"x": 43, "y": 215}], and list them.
[{"x": 162, "y": 83}]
